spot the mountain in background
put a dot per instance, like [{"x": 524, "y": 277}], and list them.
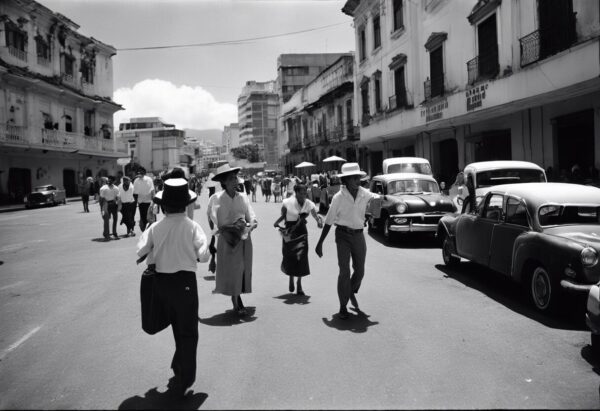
[{"x": 212, "y": 135}]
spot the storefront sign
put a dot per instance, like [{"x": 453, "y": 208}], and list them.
[
  {"x": 475, "y": 96},
  {"x": 434, "y": 111}
]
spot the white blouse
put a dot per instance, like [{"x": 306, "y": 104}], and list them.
[{"x": 294, "y": 210}]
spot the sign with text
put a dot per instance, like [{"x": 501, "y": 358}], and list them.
[
  {"x": 434, "y": 111},
  {"x": 475, "y": 96}
]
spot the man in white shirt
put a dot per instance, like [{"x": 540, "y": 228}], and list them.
[
  {"x": 109, "y": 198},
  {"x": 127, "y": 205},
  {"x": 347, "y": 212},
  {"x": 174, "y": 245},
  {"x": 143, "y": 192}
]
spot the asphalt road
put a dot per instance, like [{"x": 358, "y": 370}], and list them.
[{"x": 70, "y": 334}]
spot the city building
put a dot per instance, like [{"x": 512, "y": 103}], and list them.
[
  {"x": 230, "y": 137},
  {"x": 258, "y": 107},
  {"x": 154, "y": 144},
  {"x": 294, "y": 71},
  {"x": 56, "y": 108},
  {"x": 319, "y": 119},
  {"x": 457, "y": 82}
]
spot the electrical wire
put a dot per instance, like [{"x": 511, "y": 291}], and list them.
[{"x": 231, "y": 42}]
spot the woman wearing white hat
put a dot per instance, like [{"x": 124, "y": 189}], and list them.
[
  {"x": 347, "y": 212},
  {"x": 231, "y": 213}
]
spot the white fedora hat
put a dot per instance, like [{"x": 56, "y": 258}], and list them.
[
  {"x": 224, "y": 169},
  {"x": 351, "y": 169}
]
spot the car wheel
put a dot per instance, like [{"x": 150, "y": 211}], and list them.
[
  {"x": 543, "y": 290},
  {"x": 449, "y": 259}
]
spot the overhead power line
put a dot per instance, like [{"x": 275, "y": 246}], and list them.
[{"x": 231, "y": 42}]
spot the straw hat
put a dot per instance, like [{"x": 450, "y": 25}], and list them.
[
  {"x": 175, "y": 193},
  {"x": 351, "y": 169},
  {"x": 223, "y": 170}
]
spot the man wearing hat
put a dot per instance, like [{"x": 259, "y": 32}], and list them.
[
  {"x": 175, "y": 244},
  {"x": 347, "y": 212},
  {"x": 231, "y": 213}
]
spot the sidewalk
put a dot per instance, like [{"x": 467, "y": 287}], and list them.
[{"x": 17, "y": 207}]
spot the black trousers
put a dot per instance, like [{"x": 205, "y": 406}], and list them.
[
  {"x": 85, "y": 199},
  {"x": 178, "y": 293},
  {"x": 143, "y": 215},
  {"x": 112, "y": 212},
  {"x": 128, "y": 213}
]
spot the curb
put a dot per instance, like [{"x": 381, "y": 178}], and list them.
[{"x": 20, "y": 207}]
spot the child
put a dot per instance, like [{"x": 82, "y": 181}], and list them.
[{"x": 175, "y": 244}]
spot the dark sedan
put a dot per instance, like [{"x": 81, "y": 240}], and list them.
[
  {"x": 45, "y": 195},
  {"x": 543, "y": 235},
  {"x": 413, "y": 204}
]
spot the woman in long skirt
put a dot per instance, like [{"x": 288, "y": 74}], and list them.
[
  {"x": 294, "y": 211},
  {"x": 230, "y": 211}
]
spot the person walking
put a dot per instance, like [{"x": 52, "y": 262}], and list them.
[
  {"x": 253, "y": 188},
  {"x": 143, "y": 192},
  {"x": 109, "y": 199},
  {"x": 294, "y": 212},
  {"x": 84, "y": 189},
  {"x": 347, "y": 212},
  {"x": 174, "y": 245},
  {"x": 127, "y": 202},
  {"x": 230, "y": 213}
]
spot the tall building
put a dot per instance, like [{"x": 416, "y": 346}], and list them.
[
  {"x": 154, "y": 144},
  {"x": 319, "y": 118},
  {"x": 56, "y": 108},
  {"x": 295, "y": 71},
  {"x": 258, "y": 107},
  {"x": 458, "y": 82},
  {"x": 230, "y": 137}
]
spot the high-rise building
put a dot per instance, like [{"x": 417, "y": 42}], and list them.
[{"x": 56, "y": 108}]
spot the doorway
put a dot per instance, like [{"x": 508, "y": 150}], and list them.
[
  {"x": 69, "y": 182},
  {"x": 575, "y": 141},
  {"x": 448, "y": 160},
  {"x": 19, "y": 184}
]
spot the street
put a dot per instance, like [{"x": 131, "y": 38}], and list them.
[{"x": 429, "y": 337}]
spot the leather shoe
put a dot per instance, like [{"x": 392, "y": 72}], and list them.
[{"x": 343, "y": 314}]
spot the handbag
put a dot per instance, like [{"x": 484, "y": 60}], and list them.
[{"x": 155, "y": 317}]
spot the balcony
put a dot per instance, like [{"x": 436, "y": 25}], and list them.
[
  {"x": 544, "y": 43},
  {"x": 43, "y": 61},
  {"x": 50, "y": 138},
  {"x": 17, "y": 53},
  {"x": 484, "y": 66},
  {"x": 433, "y": 87},
  {"x": 337, "y": 134},
  {"x": 397, "y": 101},
  {"x": 87, "y": 88}
]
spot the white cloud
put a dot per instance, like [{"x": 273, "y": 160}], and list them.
[{"x": 184, "y": 106}]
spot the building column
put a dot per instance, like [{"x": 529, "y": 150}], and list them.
[{"x": 597, "y": 134}]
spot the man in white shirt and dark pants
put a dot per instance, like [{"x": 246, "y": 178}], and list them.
[
  {"x": 109, "y": 207},
  {"x": 143, "y": 191},
  {"x": 127, "y": 205},
  {"x": 347, "y": 212}
]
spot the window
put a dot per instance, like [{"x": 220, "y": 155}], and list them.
[
  {"x": 47, "y": 118},
  {"x": 376, "y": 32},
  {"x": 398, "y": 21},
  {"x": 15, "y": 37},
  {"x": 362, "y": 45},
  {"x": 364, "y": 94},
  {"x": 68, "y": 123},
  {"x": 516, "y": 212},
  {"x": 399, "y": 87},
  {"x": 68, "y": 62},
  {"x": 436, "y": 64},
  {"x": 377, "y": 84},
  {"x": 487, "y": 37},
  {"x": 296, "y": 71},
  {"x": 42, "y": 48},
  {"x": 87, "y": 72},
  {"x": 88, "y": 122},
  {"x": 493, "y": 207}
]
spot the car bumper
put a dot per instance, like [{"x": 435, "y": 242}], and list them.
[
  {"x": 415, "y": 223},
  {"x": 413, "y": 228}
]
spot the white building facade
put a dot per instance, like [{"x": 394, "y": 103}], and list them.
[
  {"x": 56, "y": 108},
  {"x": 464, "y": 81}
]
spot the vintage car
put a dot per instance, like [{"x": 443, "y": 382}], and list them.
[
  {"x": 413, "y": 203},
  {"x": 416, "y": 165},
  {"x": 592, "y": 317},
  {"x": 45, "y": 195},
  {"x": 543, "y": 235},
  {"x": 492, "y": 173}
]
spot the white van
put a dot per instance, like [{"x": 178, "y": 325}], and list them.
[{"x": 407, "y": 165}]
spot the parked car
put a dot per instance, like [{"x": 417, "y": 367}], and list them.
[
  {"x": 416, "y": 165},
  {"x": 413, "y": 203},
  {"x": 327, "y": 194},
  {"x": 543, "y": 235},
  {"x": 45, "y": 195},
  {"x": 492, "y": 173},
  {"x": 592, "y": 317}
]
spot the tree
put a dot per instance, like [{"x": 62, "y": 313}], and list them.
[{"x": 248, "y": 151}]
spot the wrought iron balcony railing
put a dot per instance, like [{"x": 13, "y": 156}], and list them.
[
  {"x": 484, "y": 66},
  {"x": 541, "y": 44},
  {"x": 434, "y": 87},
  {"x": 17, "y": 53}
]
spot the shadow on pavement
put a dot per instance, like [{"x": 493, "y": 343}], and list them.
[
  {"x": 292, "y": 298},
  {"x": 357, "y": 323},
  {"x": 101, "y": 240},
  {"x": 154, "y": 400},
  {"x": 514, "y": 296},
  {"x": 412, "y": 240},
  {"x": 229, "y": 318}
]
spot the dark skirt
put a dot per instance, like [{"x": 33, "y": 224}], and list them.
[{"x": 295, "y": 252}]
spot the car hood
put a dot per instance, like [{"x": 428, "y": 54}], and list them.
[
  {"x": 583, "y": 234},
  {"x": 45, "y": 192},
  {"x": 425, "y": 202}
]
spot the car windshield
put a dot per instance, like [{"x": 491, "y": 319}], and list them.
[
  {"x": 509, "y": 176},
  {"x": 419, "y": 168},
  {"x": 412, "y": 186},
  {"x": 568, "y": 214}
]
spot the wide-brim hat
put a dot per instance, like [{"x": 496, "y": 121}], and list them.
[
  {"x": 175, "y": 193},
  {"x": 351, "y": 169},
  {"x": 223, "y": 170}
]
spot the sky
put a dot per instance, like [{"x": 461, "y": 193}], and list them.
[{"x": 198, "y": 87}]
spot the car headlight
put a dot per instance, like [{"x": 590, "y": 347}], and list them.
[
  {"x": 589, "y": 257},
  {"x": 401, "y": 208}
]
